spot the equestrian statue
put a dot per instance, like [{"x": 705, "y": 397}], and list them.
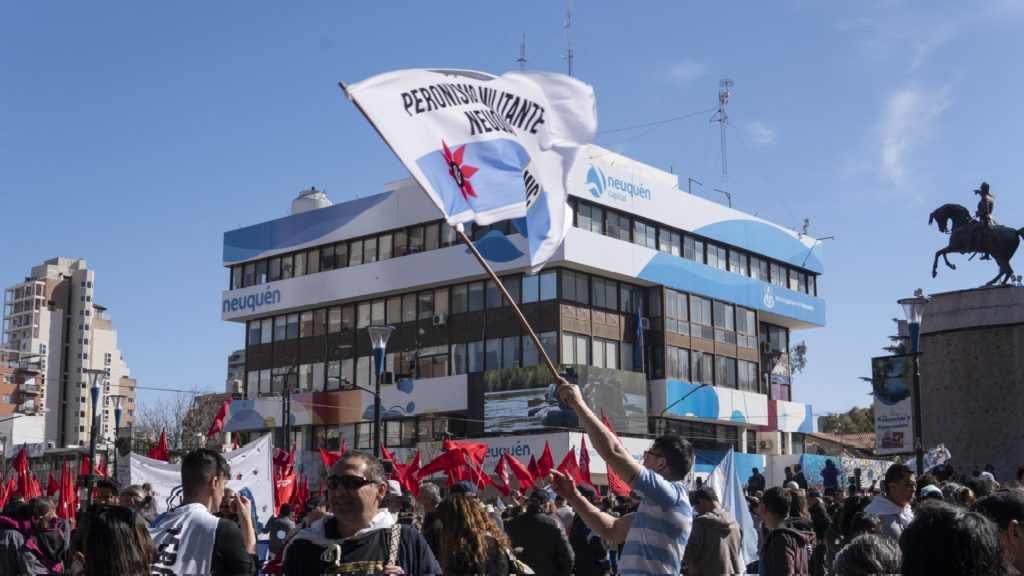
[{"x": 979, "y": 235}]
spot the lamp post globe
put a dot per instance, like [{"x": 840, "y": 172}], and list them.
[
  {"x": 379, "y": 336},
  {"x": 913, "y": 309}
]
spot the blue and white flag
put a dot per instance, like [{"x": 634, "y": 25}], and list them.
[
  {"x": 488, "y": 148},
  {"x": 725, "y": 479}
]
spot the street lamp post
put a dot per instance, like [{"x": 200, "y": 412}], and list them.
[
  {"x": 90, "y": 477},
  {"x": 684, "y": 397},
  {"x": 913, "y": 308},
  {"x": 119, "y": 400},
  {"x": 379, "y": 335}
]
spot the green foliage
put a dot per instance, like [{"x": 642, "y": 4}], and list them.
[
  {"x": 856, "y": 421},
  {"x": 798, "y": 357}
]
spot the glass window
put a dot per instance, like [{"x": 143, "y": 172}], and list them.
[
  {"x": 604, "y": 292},
  {"x": 493, "y": 354},
  {"x": 746, "y": 376},
  {"x": 725, "y": 322},
  {"x": 725, "y": 372},
  {"x": 415, "y": 239},
  {"x": 738, "y": 262},
  {"x": 746, "y": 325},
  {"x": 678, "y": 364},
  {"x": 236, "y": 277},
  {"x": 590, "y": 218},
  {"x": 327, "y": 257},
  {"x": 448, "y": 236},
  {"x": 370, "y": 250},
  {"x": 377, "y": 311},
  {"x": 510, "y": 352},
  {"x": 384, "y": 246},
  {"x": 778, "y": 274},
  {"x": 254, "y": 333},
  {"x": 644, "y": 234},
  {"x": 441, "y": 301},
  {"x": 300, "y": 264},
  {"x": 459, "y": 358},
  {"x": 812, "y": 284},
  {"x": 320, "y": 322},
  {"x": 531, "y": 289},
  {"x": 676, "y": 313},
  {"x": 794, "y": 280},
  {"x": 618, "y": 226},
  {"x": 475, "y": 356},
  {"x": 670, "y": 241},
  {"x": 493, "y": 298},
  {"x": 363, "y": 315},
  {"x": 293, "y": 326},
  {"x": 334, "y": 319},
  {"x": 548, "y": 285},
  {"x": 574, "y": 287},
  {"x": 426, "y": 305},
  {"x": 693, "y": 249},
  {"x": 476, "y": 296},
  {"x": 261, "y": 272},
  {"x": 394, "y": 311},
  {"x": 606, "y": 353},
  {"x": 460, "y": 298},
  {"x": 266, "y": 330},
  {"x": 280, "y": 328},
  {"x": 355, "y": 252},
  {"x": 348, "y": 318},
  {"x": 364, "y": 369},
  {"x": 312, "y": 261},
  {"x": 702, "y": 367},
  {"x": 700, "y": 317},
  {"x": 408, "y": 307},
  {"x": 341, "y": 255},
  {"x": 431, "y": 236},
  {"x": 249, "y": 276},
  {"x": 306, "y": 324},
  {"x": 575, "y": 348},
  {"x": 400, "y": 247}
]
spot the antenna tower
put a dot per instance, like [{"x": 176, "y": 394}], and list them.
[
  {"x": 723, "y": 119},
  {"x": 568, "y": 29},
  {"x": 522, "y": 54}
]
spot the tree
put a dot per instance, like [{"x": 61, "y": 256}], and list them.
[
  {"x": 798, "y": 357},
  {"x": 854, "y": 421},
  {"x": 185, "y": 419}
]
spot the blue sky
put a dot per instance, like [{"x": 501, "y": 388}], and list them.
[{"x": 135, "y": 134}]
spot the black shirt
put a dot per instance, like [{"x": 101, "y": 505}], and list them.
[{"x": 229, "y": 554}]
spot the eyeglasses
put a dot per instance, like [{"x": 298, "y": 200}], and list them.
[
  {"x": 348, "y": 482},
  {"x": 652, "y": 453}
]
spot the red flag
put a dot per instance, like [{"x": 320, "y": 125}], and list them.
[
  {"x": 412, "y": 476},
  {"x": 3, "y": 495},
  {"x": 534, "y": 470},
  {"x": 344, "y": 446},
  {"x": 501, "y": 472},
  {"x": 585, "y": 463},
  {"x": 101, "y": 466},
  {"x": 446, "y": 461},
  {"x": 329, "y": 458},
  {"x": 522, "y": 474},
  {"x": 476, "y": 450},
  {"x": 66, "y": 502},
  {"x": 20, "y": 465},
  {"x": 570, "y": 467},
  {"x": 546, "y": 462},
  {"x": 398, "y": 470},
  {"x": 234, "y": 442},
  {"x": 280, "y": 459},
  {"x": 83, "y": 470},
  {"x": 12, "y": 488},
  {"x": 52, "y": 487},
  {"x": 162, "y": 451},
  {"x": 218, "y": 421},
  {"x": 284, "y": 488},
  {"x": 615, "y": 484},
  {"x": 291, "y": 460},
  {"x": 34, "y": 488}
]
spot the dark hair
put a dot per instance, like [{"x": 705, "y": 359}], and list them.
[
  {"x": 945, "y": 539},
  {"x": 864, "y": 523},
  {"x": 1002, "y": 506},
  {"x": 896, "y": 473},
  {"x": 851, "y": 507},
  {"x": 374, "y": 469},
  {"x": 705, "y": 493},
  {"x": 116, "y": 541},
  {"x": 106, "y": 483},
  {"x": 16, "y": 508},
  {"x": 798, "y": 504},
  {"x": 678, "y": 454},
  {"x": 286, "y": 509},
  {"x": 1020, "y": 473},
  {"x": 199, "y": 467},
  {"x": 40, "y": 507},
  {"x": 777, "y": 501},
  {"x": 981, "y": 488},
  {"x": 868, "y": 554}
]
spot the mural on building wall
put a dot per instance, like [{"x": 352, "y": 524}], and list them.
[{"x": 523, "y": 398}]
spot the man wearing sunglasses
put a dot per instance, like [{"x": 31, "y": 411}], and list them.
[
  {"x": 655, "y": 535},
  {"x": 358, "y": 536},
  {"x": 190, "y": 539}
]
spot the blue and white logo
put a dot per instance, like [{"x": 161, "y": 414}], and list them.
[
  {"x": 621, "y": 190},
  {"x": 769, "y": 298},
  {"x": 595, "y": 181}
]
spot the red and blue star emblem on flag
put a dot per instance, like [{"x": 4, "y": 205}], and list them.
[{"x": 459, "y": 171}]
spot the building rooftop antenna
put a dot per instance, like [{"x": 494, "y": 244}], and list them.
[
  {"x": 568, "y": 30},
  {"x": 723, "y": 120},
  {"x": 522, "y": 54}
]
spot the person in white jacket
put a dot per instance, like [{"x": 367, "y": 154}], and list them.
[{"x": 893, "y": 505}]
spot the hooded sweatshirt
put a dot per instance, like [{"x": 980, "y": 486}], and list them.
[
  {"x": 715, "y": 545},
  {"x": 360, "y": 552},
  {"x": 894, "y": 518},
  {"x": 786, "y": 551}
]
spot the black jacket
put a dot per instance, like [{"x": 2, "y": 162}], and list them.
[{"x": 545, "y": 547}]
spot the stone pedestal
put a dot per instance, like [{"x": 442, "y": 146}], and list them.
[{"x": 972, "y": 377}]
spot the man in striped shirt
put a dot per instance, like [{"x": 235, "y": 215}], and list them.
[{"x": 655, "y": 535}]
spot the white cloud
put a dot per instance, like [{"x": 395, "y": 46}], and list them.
[
  {"x": 761, "y": 133},
  {"x": 904, "y": 125},
  {"x": 688, "y": 70}
]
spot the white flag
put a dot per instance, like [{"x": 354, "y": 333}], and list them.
[
  {"x": 725, "y": 479},
  {"x": 487, "y": 148}
]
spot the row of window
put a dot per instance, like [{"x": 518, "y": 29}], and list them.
[
  {"x": 627, "y": 228},
  {"x": 382, "y": 246},
  {"x": 692, "y": 315},
  {"x": 716, "y": 370}
]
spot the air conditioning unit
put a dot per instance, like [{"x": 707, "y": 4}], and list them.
[
  {"x": 767, "y": 445},
  {"x": 440, "y": 319},
  {"x": 766, "y": 348},
  {"x": 645, "y": 323}
]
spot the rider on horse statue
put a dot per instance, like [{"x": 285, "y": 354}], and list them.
[{"x": 986, "y": 205}]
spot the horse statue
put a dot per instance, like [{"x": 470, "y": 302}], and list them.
[{"x": 999, "y": 242}]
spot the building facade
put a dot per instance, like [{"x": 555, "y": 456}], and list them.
[
  {"x": 51, "y": 318},
  {"x": 654, "y": 294}
]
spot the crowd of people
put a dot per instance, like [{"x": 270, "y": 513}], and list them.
[{"x": 366, "y": 525}]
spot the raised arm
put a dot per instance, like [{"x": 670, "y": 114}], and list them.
[{"x": 601, "y": 438}]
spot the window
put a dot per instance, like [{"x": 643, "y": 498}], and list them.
[
  {"x": 604, "y": 293},
  {"x": 394, "y": 309},
  {"x": 299, "y": 262},
  {"x": 510, "y": 352},
  {"x": 261, "y": 272},
  {"x": 327, "y": 258},
  {"x": 426, "y": 305},
  {"x": 475, "y": 356},
  {"x": 670, "y": 241},
  {"x": 341, "y": 255},
  {"x": 725, "y": 322},
  {"x": 370, "y": 250},
  {"x": 513, "y": 286},
  {"x": 408, "y": 307},
  {"x": 738, "y": 262},
  {"x": 363, "y": 315},
  {"x": 431, "y": 236},
  {"x": 794, "y": 280},
  {"x": 702, "y": 366},
  {"x": 377, "y": 311},
  {"x": 676, "y": 313},
  {"x": 644, "y": 234},
  {"x": 605, "y": 353},
  {"x": 725, "y": 372},
  {"x": 700, "y": 317},
  {"x": 574, "y": 287},
  {"x": 493, "y": 295},
  {"x": 590, "y": 218},
  {"x": 618, "y": 226},
  {"x": 415, "y": 239},
  {"x": 492, "y": 354},
  {"x": 746, "y": 376},
  {"x": 286, "y": 267},
  {"x": 355, "y": 252},
  {"x": 575, "y": 348},
  {"x": 400, "y": 243},
  {"x": 746, "y": 324},
  {"x": 108, "y": 358},
  {"x": 531, "y": 357},
  {"x": 292, "y": 327},
  {"x": 249, "y": 274},
  {"x": 254, "y": 333},
  {"x": 460, "y": 298},
  {"x": 313, "y": 261},
  {"x": 693, "y": 249},
  {"x": 718, "y": 256},
  {"x": 476, "y": 296},
  {"x": 306, "y": 324},
  {"x": 384, "y": 246},
  {"x": 778, "y": 274},
  {"x": 678, "y": 365}
]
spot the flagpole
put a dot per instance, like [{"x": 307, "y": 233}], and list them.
[{"x": 458, "y": 230}]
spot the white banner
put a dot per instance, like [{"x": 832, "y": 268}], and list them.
[
  {"x": 891, "y": 378},
  {"x": 251, "y": 470},
  {"x": 487, "y": 148}
]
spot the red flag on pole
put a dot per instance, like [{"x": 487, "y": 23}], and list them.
[
  {"x": 20, "y": 465},
  {"x": 534, "y": 470},
  {"x": 218, "y": 421},
  {"x": 329, "y": 458},
  {"x": 412, "y": 476},
  {"x": 35, "y": 489},
  {"x": 52, "y": 487},
  {"x": 284, "y": 488},
  {"x": 522, "y": 474},
  {"x": 446, "y": 461},
  {"x": 570, "y": 467},
  {"x": 3, "y": 494},
  {"x": 615, "y": 484},
  {"x": 502, "y": 484},
  {"x": 12, "y": 488},
  {"x": 101, "y": 466},
  {"x": 546, "y": 462},
  {"x": 585, "y": 463},
  {"x": 162, "y": 452},
  {"x": 476, "y": 450}
]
